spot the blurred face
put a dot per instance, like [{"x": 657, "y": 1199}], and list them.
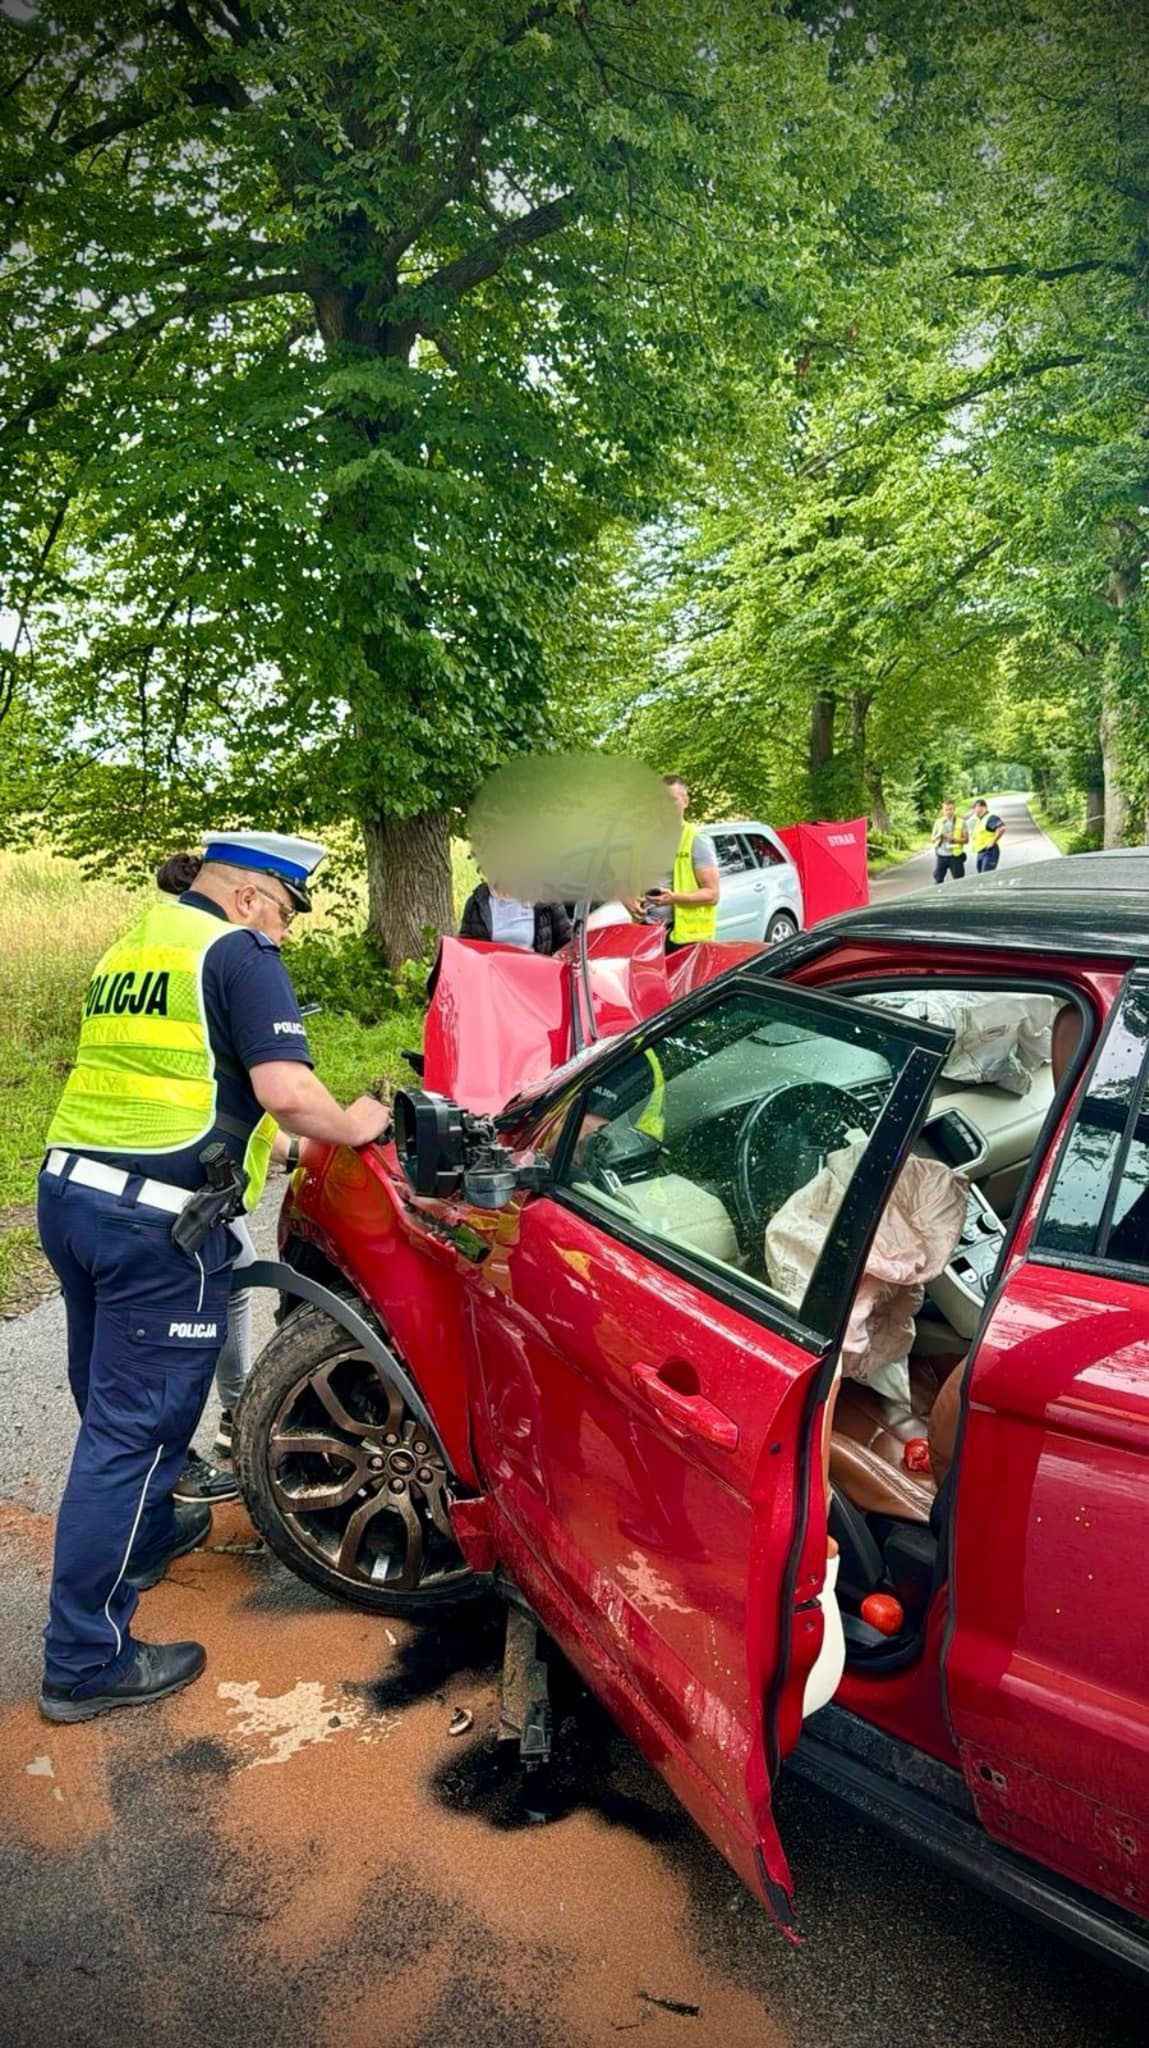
[
  {"x": 681, "y": 795},
  {"x": 947, "y": 809}
]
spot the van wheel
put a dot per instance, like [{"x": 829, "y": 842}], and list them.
[
  {"x": 341, "y": 1480},
  {"x": 782, "y": 925}
]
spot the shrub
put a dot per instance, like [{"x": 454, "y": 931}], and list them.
[
  {"x": 344, "y": 972},
  {"x": 1086, "y": 840}
]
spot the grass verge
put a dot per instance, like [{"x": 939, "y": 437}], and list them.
[
  {"x": 25, "y": 1275},
  {"x": 350, "y": 1056},
  {"x": 891, "y": 853},
  {"x": 1068, "y": 834}
]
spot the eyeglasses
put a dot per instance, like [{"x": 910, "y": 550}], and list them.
[{"x": 287, "y": 913}]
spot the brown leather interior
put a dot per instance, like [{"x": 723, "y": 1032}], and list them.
[
  {"x": 944, "y": 1417},
  {"x": 867, "y": 1447}
]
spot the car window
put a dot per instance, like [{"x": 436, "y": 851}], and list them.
[
  {"x": 736, "y": 1134},
  {"x": 764, "y": 850},
  {"x": 1098, "y": 1204},
  {"x": 733, "y": 858}
]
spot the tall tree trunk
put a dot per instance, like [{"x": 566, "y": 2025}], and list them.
[
  {"x": 879, "y": 815},
  {"x": 822, "y": 712},
  {"x": 1116, "y": 803},
  {"x": 869, "y": 775},
  {"x": 1095, "y": 807},
  {"x": 408, "y": 882},
  {"x": 1124, "y": 584}
]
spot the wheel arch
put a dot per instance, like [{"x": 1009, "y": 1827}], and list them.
[
  {"x": 785, "y": 913},
  {"x": 285, "y": 1279}
]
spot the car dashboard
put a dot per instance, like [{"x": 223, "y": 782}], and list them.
[{"x": 683, "y": 1184}]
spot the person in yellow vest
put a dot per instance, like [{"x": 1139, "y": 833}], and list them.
[
  {"x": 985, "y": 835},
  {"x": 190, "y": 1038},
  {"x": 687, "y": 902},
  {"x": 949, "y": 840},
  {"x": 200, "y": 1479}
]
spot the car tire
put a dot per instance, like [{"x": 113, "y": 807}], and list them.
[
  {"x": 782, "y": 925},
  {"x": 314, "y": 1387}
]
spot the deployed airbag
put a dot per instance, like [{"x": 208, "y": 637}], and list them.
[
  {"x": 999, "y": 1040},
  {"x": 915, "y": 1239}
]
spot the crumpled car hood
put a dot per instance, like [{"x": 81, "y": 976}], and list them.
[{"x": 500, "y": 1019}]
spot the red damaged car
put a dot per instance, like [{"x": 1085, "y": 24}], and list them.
[{"x": 784, "y": 1355}]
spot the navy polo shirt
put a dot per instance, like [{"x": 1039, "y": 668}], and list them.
[{"x": 252, "y": 1016}]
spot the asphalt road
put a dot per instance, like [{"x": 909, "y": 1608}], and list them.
[{"x": 296, "y": 1850}]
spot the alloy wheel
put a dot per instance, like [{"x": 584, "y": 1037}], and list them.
[{"x": 359, "y": 1482}]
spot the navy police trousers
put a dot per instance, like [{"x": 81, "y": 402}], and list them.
[{"x": 145, "y": 1326}]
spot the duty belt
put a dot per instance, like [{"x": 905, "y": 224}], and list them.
[{"x": 112, "y": 1180}]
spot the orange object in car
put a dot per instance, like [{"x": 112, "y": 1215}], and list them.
[
  {"x": 883, "y": 1612},
  {"x": 916, "y": 1455}
]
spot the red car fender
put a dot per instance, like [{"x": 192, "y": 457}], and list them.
[{"x": 354, "y": 1208}]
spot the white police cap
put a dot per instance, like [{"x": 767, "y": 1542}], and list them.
[{"x": 292, "y": 861}]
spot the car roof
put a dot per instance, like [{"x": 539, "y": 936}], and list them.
[
  {"x": 1087, "y": 903},
  {"x": 740, "y": 825}
]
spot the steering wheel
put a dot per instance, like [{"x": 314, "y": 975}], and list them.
[{"x": 782, "y": 1145}]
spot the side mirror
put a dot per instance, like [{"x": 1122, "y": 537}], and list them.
[
  {"x": 431, "y": 1140},
  {"x": 494, "y": 1181}
]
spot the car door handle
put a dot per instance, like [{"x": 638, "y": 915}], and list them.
[
  {"x": 759, "y": 888},
  {"x": 691, "y": 1411}
]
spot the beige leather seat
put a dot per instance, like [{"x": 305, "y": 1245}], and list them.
[{"x": 870, "y": 1434}]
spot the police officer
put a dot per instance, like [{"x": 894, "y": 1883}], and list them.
[
  {"x": 190, "y": 1034},
  {"x": 985, "y": 830}
]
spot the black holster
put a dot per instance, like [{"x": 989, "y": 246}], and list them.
[{"x": 216, "y": 1202}]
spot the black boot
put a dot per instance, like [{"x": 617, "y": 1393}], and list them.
[
  {"x": 156, "y": 1670},
  {"x": 193, "y": 1523}
]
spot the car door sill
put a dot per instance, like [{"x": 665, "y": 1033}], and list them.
[{"x": 930, "y": 1821}]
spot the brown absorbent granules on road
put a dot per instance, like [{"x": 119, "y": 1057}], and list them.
[
  {"x": 369, "y": 1856},
  {"x": 24, "y": 1535},
  {"x": 54, "y": 1780}
]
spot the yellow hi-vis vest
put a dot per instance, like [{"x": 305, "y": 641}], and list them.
[
  {"x": 652, "y": 1121},
  {"x": 145, "y": 1075},
  {"x": 982, "y": 835},
  {"x": 692, "y": 921},
  {"x": 953, "y": 829}
]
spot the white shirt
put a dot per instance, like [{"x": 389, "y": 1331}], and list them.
[
  {"x": 606, "y": 914},
  {"x": 512, "y": 922}
]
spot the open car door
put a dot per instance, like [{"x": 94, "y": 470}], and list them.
[
  {"x": 1046, "y": 1664},
  {"x": 650, "y": 1409}
]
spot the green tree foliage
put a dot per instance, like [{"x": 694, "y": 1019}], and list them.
[
  {"x": 940, "y": 517},
  {"x": 387, "y": 388},
  {"x": 336, "y": 332}
]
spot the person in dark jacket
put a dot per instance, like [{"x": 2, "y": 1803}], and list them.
[{"x": 502, "y": 920}]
